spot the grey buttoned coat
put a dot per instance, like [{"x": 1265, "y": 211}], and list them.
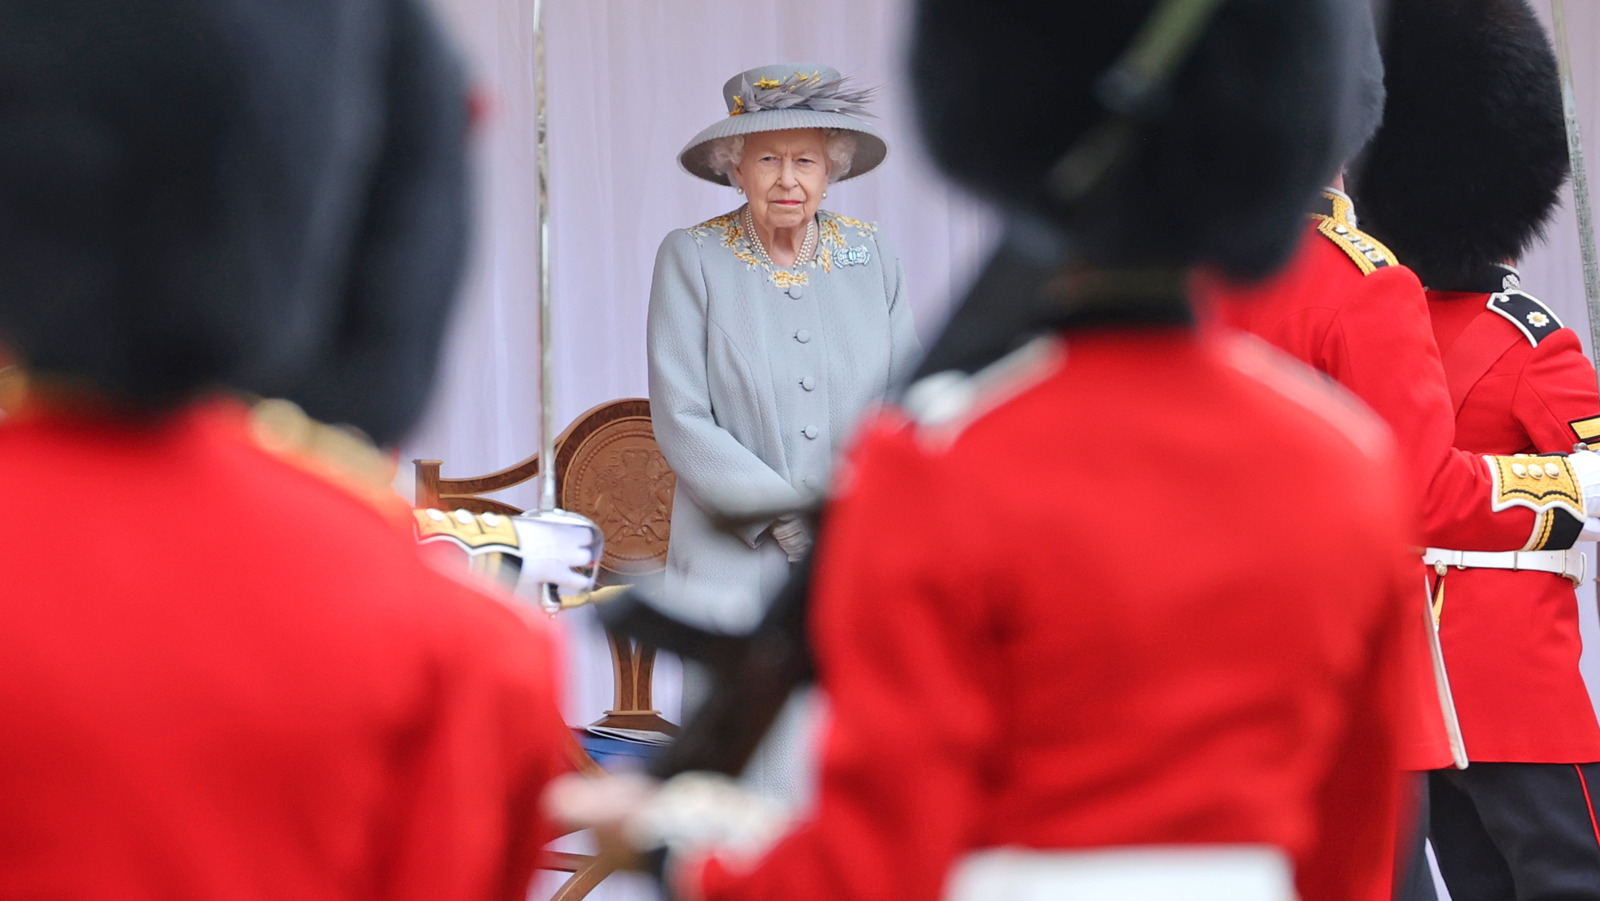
[{"x": 757, "y": 376}]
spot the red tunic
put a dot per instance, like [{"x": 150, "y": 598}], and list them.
[
  {"x": 1511, "y": 638},
  {"x": 1366, "y": 327},
  {"x": 224, "y": 677},
  {"x": 1016, "y": 653}
]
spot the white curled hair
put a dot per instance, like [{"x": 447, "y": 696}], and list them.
[{"x": 838, "y": 143}]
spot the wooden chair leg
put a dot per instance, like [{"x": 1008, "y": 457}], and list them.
[
  {"x": 580, "y": 759},
  {"x": 564, "y": 861},
  {"x": 583, "y": 881},
  {"x": 633, "y": 672}
]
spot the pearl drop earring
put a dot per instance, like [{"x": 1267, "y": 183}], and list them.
[{"x": 738, "y": 190}]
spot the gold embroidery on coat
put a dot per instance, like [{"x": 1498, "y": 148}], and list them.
[{"x": 830, "y": 238}]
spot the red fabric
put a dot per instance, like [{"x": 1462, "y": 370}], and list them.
[
  {"x": 1015, "y": 654},
  {"x": 1511, "y": 638},
  {"x": 222, "y": 677},
  {"x": 1371, "y": 334}
]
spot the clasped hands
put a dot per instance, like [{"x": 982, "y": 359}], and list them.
[{"x": 792, "y": 535}]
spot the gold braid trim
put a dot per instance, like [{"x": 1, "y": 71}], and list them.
[
  {"x": 472, "y": 531},
  {"x": 1543, "y": 524},
  {"x": 342, "y": 456},
  {"x": 1367, "y": 252},
  {"x": 1542, "y": 484},
  {"x": 1587, "y": 430}
]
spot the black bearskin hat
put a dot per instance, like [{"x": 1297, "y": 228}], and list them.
[
  {"x": 1272, "y": 99},
  {"x": 1467, "y": 166},
  {"x": 201, "y": 193}
]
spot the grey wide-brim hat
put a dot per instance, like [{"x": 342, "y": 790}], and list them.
[{"x": 783, "y": 97}]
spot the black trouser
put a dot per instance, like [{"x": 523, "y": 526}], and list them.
[
  {"x": 1517, "y": 831},
  {"x": 1413, "y": 879}
]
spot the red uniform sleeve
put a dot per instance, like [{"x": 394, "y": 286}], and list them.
[
  {"x": 1381, "y": 347},
  {"x": 898, "y": 648},
  {"x": 1556, "y": 395}
]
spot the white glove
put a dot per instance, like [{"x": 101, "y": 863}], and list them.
[
  {"x": 551, "y": 549},
  {"x": 689, "y": 815},
  {"x": 792, "y": 536},
  {"x": 1586, "y": 467}
]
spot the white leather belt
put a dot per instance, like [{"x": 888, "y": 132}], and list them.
[
  {"x": 1155, "y": 873},
  {"x": 1571, "y": 563}
]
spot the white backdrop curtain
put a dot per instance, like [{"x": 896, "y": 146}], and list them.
[{"x": 630, "y": 81}]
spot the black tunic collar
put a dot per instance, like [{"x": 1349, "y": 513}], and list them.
[{"x": 1490, "y": 278}]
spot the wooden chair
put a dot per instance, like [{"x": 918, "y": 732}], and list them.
[{"x": 608, "y": 468}]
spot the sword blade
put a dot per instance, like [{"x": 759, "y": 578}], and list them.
[{"x": 547, "y": 425}]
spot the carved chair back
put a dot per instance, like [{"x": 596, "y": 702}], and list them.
[{"x": 609, "y": 468}]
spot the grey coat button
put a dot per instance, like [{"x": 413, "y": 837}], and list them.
[
  {"x": 809, "y": 431},
  {"x": 808, "y": 383},
  {"x": 803, "y": 336},
  {"x": 796, "y": 292}
]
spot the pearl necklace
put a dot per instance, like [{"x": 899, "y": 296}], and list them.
[{"x": 808, "y": 244}]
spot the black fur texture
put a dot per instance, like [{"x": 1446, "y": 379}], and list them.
[
  {"x": 1468, "y": 165},
  {"x": 1275, "y": 96},
  {"x": 200, "y": 194},
  {"x": 1363, "y": 106}
]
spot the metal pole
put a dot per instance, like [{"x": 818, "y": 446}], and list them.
[
  {"x": 547, "y": 426},
  {"x": 550, "y": 523},
  {"x": 1580, "y": 176}
]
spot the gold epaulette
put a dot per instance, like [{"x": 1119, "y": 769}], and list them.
[
  {"x": 339, "y": 455},
  {"x": 1367, "y": 252}
]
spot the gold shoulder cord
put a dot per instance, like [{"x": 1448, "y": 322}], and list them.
[
  {"x": 13, "y": 387},
  {"x": 1368, "y": 253},
  {"x": 342, "y": 456}
]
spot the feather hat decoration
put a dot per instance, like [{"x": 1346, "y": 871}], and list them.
[
  {"x": 784, "y": 97},
  {"x": 800, "y": 91}
]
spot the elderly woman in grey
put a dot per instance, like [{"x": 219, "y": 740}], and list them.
[{"x": 770, "y": 329}]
